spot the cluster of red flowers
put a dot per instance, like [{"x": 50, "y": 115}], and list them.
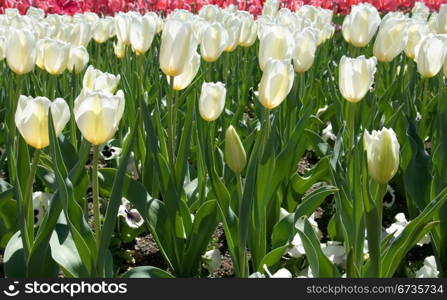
[{"x": 109, "y": 7}]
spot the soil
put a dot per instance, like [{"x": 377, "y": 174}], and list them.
[
  {"x": 2, "y": 274},
  {"x": 144, "y": 252}
]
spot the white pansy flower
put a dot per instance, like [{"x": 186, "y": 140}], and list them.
[
  {"x": 397, "y": 227},
  {"x": 131, "y": 215},
  {"x": 212, "y": 260},
  {"x": 429, "y": 269}
]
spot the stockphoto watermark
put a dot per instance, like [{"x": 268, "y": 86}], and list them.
[{"x": 71, "y": 289}]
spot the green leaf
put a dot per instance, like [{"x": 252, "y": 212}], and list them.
[
  {"x": 14, "y": 258},
  {"x": 417, "y": 178},
  {"x": 408, "y": 238},
  {"x": 205, "y": 222},
  {"x": 321, "y": 266},
  {"x": 64, "y": 252},
  {"x": 115, "y": 200},
  {"x": 146, "y": 272},
  {"x": 272, "y": 258}
]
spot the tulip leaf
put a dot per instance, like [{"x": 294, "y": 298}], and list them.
[
  {"x": 63, "y": 250},
  {"x": 272, "y": 258},
  {"x": 14, "y": 258},
  {"x": 417, "y": 178},
  {"x": 321, "y": 266},
  {"x": 115, "y": 200},
  {"x": 409, "y": 237},
  {"x": 81, "y": 232},
  {"x": 146, "y": 272},
  {"x": 205, "y": 222},
  {"x": 284, "y": 230},
  {"x": 319, "y": 173}
]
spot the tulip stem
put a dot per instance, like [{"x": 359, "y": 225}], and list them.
[
  {"x": 239, "y": 187},
  {"x": 171, "y": 130},
  {"x": 266, "y": 130},
  {"x": 352, "y": 108},
  {"x": 74, "y": 141},
  {"x": 96, "y": 212},
  {"x": 28, "y": 207}
]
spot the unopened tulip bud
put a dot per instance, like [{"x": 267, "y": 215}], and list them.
[
  {"x": 31, "y": 119},
  {"x": 212, "y": 100},
  {"x": 235, "y": 156},
  {"x": 382, "y": 150},
  {"x": 356, "y": 76}
]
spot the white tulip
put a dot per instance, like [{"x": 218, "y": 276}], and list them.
[
  {"x": 31, "y": 119},
  {"x": 277, "y": 43},
  {"x": 21, "y": 51},
  {"x": 392, "y": 38},
  {"x": 382, "y": 151},
  {"x": 98, "y": 114},
  {"x": 55, "y": 56},
  {"x": 95, "y": 80},
  {"x": 417, "y": 30},
  {"x": 81, "y": 34},
  {"x": 214, "y": 39},
  {"x": 122, "y": 27},
  {"x": 211, "y": 13},
  {"x": 270, "y": 8},
  {"x": 184, "y": 79},
  {"x": 305, "y": 48},
  {"x": 212, "y": 100},
  {"x": 356, "y": 76},
  {"x": 420, "y": 11},
  {"x": 119, "y": 49},
  {"x": 233, "y": 26},
  {"x": 430, "y": 55},
  {"x": 142, "y": 32},
  {"x": 249, "y": 29},
  {"x": 178, "y": 44},
  {"x": 361, "y": 24},
  {"x": 77, "y": 59},
  {"x": 441, "y": 19},
  {"x": 276, "y": 83},
  {"x": 102, "y": 30}
]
